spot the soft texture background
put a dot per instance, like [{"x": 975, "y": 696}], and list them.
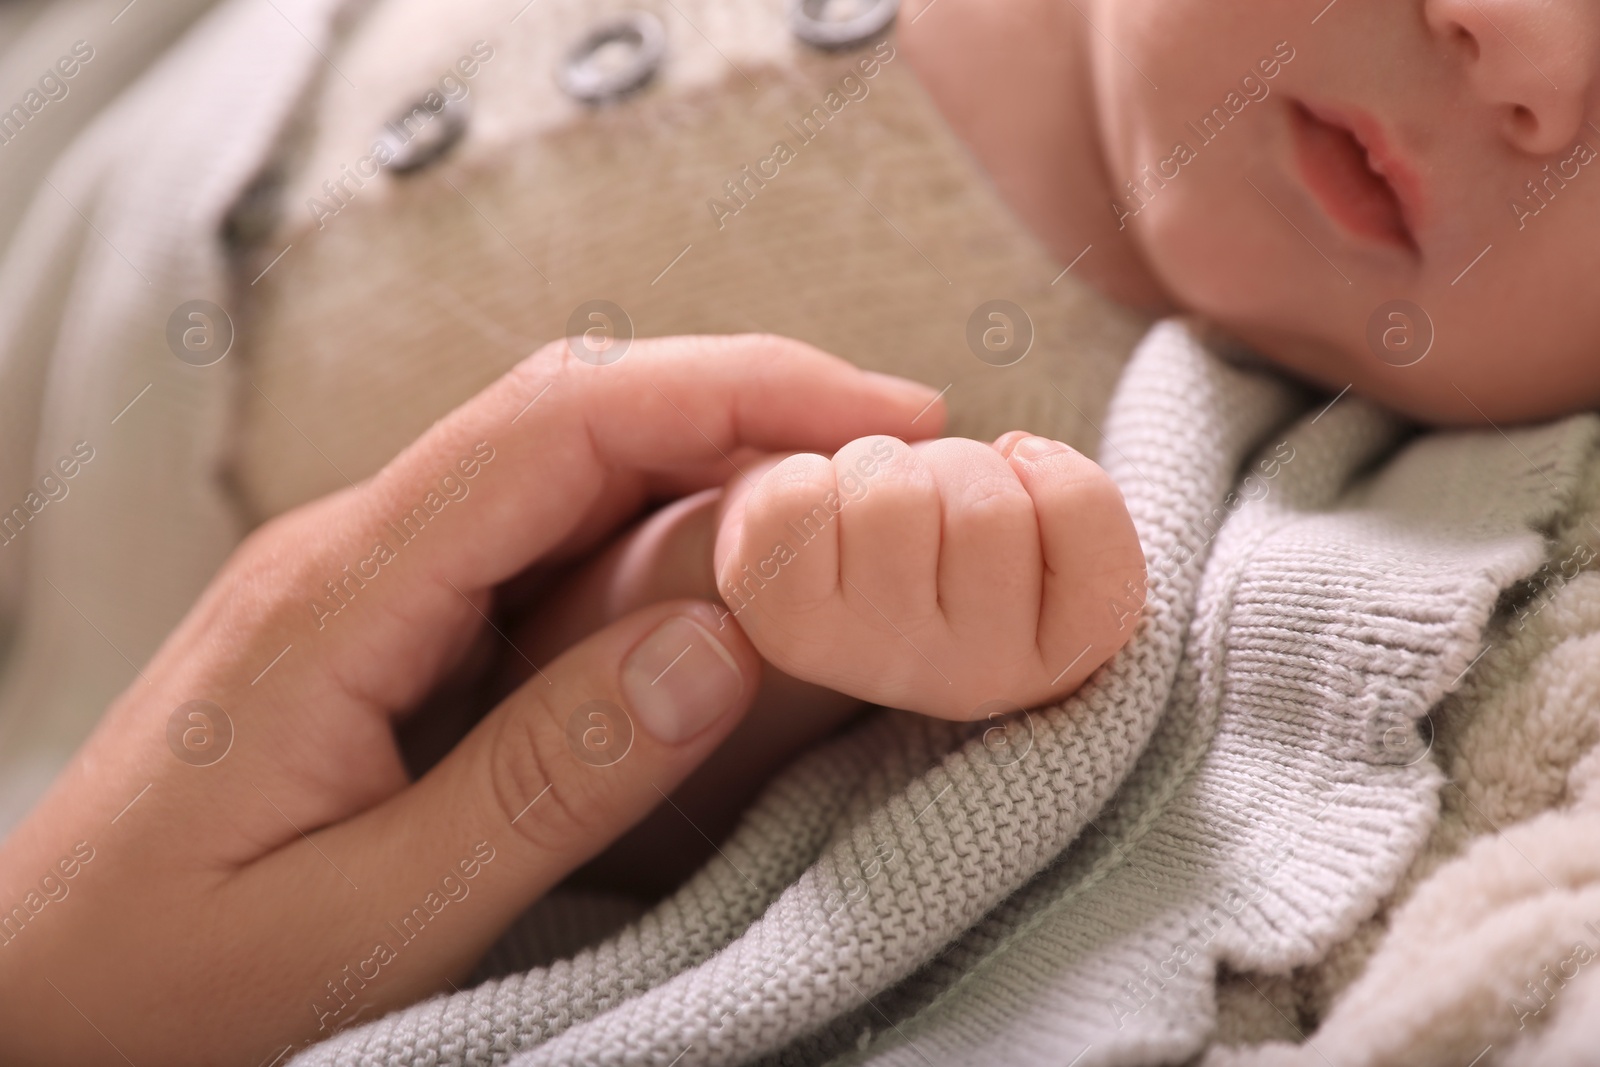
[{"x": 146, "y": 174}]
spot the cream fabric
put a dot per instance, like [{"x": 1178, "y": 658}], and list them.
[{"x": 877, "y": 242}]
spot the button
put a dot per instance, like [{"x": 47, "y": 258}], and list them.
[
  {"x": 421, "y": 134},
  {"x": 614, "y": 58},
  {"x": 840, "y": 23}
]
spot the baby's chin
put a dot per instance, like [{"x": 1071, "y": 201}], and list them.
[{"x": 1422, "y": 395}]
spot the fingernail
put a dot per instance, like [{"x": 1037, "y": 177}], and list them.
[
  {"x": 1038, "y": 447},
  {"x": 680, "y": 680}
]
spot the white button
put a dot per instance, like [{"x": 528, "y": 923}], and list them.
[
  {"x": 614, "y": 58},
  {"x": 840, "y": 23}
]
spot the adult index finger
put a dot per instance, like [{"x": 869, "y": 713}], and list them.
[{"x": 405, "y": 557}]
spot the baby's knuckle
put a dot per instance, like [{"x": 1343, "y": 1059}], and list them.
[
  {"x": 1077, "y": 473},
  {"x": 1004, "y": 499},
  {"x": 1100, "y": 481},
  {"x": 805, "y": 516},
  {"x": 883, "y": 471},
  {"x": 874, "y": 450},
  {"x": 789, "y": 485},
  {"x": 797, "y": 622}
]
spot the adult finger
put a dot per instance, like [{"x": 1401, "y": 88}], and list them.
[
  {"x": 507, "y": 477},
  {"x": 339, "y": 616},
  {"x": 560, "y": 769},
  {"x": 675, "y": 405}
]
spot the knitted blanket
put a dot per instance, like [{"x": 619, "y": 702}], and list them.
[{"x": 1240, "y": 786}]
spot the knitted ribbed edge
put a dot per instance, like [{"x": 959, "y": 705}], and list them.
[
  {"x": 1508, "y": 879},
  {"x": 958, "y": 838},
  {"x": 1331, "y": 632}
]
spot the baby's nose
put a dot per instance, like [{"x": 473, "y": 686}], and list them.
[{"x": 1534, "y": 60}]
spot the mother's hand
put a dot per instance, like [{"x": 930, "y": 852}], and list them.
[{"x": 236, "y": 860}]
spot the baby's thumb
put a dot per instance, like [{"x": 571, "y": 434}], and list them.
[{"x": 581, "y": 752}]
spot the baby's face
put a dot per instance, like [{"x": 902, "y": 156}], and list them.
[{"x": 1310, "y": 166}]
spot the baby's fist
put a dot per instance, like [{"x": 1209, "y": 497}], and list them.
[{"x": 936, "y": 577}]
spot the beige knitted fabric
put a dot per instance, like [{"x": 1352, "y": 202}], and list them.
[
  {"x": 877, "y": 242},
  {"x": 1299, "y": 620}
]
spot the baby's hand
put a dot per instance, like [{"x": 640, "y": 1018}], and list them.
[{"x": 936, "y": 577}]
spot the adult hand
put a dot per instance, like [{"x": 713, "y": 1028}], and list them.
[{"x": 211, "y": 882}]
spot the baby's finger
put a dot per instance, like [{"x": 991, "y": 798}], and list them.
[
  {"x": 778, "y": 549},
  {"x": 989, "y": 565},
  {"x": 888, "y": 534},
  {"x": 665, "y": 557},
  {"x": 1093, "y": 561}
]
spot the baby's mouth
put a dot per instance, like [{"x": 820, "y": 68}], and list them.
[{"x": 1348, "y": 181}]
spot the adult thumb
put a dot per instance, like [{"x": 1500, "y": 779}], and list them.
[{"x": 563, "y": 766}]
